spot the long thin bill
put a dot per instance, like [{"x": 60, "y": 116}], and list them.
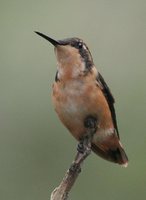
[{"x": 52, "y": 41}]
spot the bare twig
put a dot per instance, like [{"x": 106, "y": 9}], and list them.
[{"x": 84, "y": 150}]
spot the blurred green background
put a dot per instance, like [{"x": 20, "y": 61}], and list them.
[{"x": 35, "y": 148}]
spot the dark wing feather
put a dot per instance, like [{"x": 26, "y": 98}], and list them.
[{"x": 109, "y": 97}]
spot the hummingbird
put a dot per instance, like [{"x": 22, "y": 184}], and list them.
[{"x": 80, "y": 91}]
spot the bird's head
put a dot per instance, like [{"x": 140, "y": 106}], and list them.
[{"x": 73, "y": 56}]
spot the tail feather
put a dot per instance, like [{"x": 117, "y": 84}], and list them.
[
  {"x": 119, "y": 156},
  {"x": 116, "y": 155}
]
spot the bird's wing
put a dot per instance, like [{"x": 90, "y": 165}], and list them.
[{"x": 109, "y": 97}]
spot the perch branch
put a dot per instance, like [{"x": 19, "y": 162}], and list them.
[{"x": 84, "y": 150}]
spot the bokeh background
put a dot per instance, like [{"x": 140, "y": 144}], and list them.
[{"x": 35, "y": 148}]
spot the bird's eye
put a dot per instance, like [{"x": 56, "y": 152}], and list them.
[{"x": 80, "y": 45}]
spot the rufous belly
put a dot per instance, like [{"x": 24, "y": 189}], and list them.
[{"x": 75, "y": 101}]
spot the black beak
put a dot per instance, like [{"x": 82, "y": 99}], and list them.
[{"x": 52, "y": 41}]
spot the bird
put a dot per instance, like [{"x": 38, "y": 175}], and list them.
[{"x": 80, "y": 91}]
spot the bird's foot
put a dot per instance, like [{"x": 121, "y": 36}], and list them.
[{"x": 84, "y": 145}]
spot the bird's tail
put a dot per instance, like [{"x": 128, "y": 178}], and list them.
[{"x": 113, "y": 153}]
